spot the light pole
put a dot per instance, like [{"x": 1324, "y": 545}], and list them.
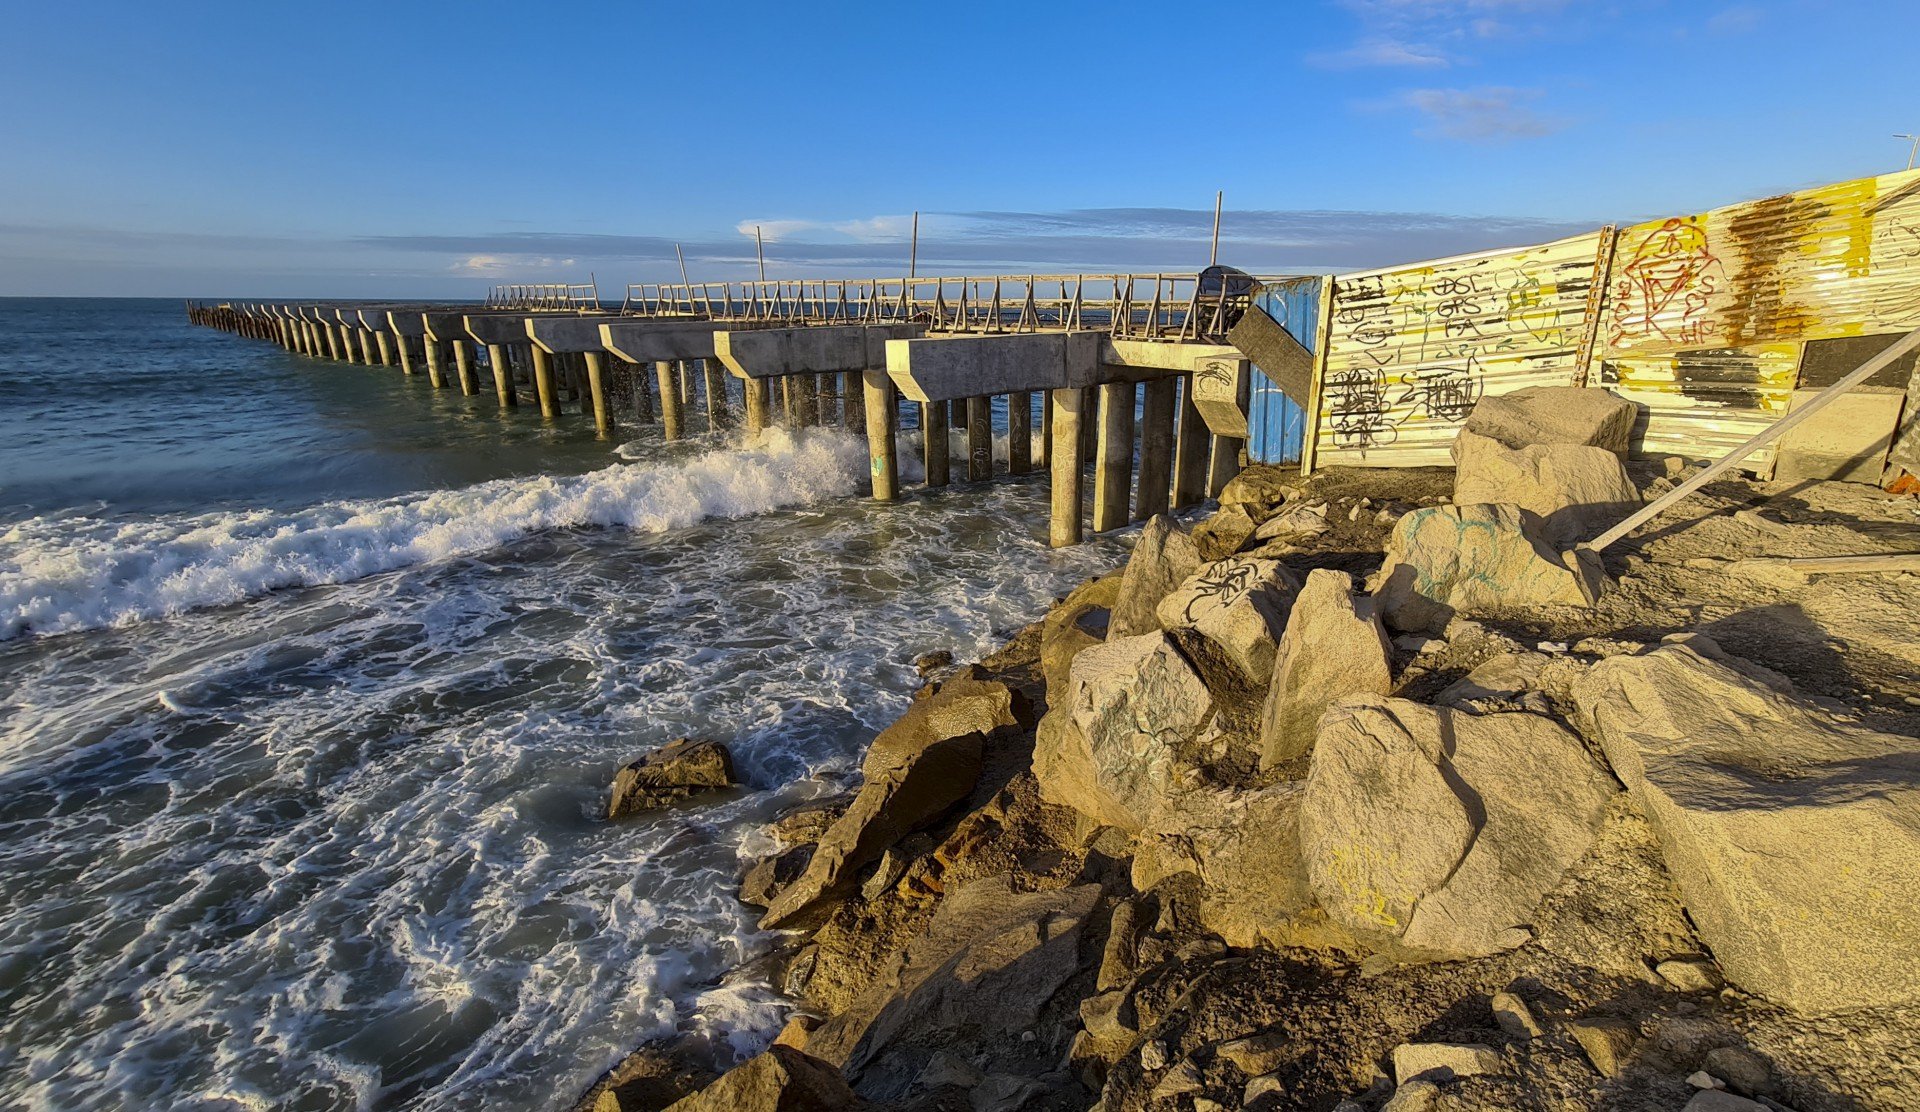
[{"x": 1912, "y": 149}]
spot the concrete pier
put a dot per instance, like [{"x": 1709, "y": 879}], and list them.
[
  {"x": 669, "y": 399},
  {"x": 882, "y": 409},
  {"x": 1067, "y": 522},
  {"x": 979, "y": 438},
  {"x": 936, "y": 453},
  {"x": 1158, "y": 396},
  {"x": 1113, "y": 465}
]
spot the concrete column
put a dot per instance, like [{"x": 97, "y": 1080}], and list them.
[
  {"x": 669, "y": 399},
  {"x": 1224, "y": 464},
  {"x": 718, "y": 416},
  {"x": 957, "y": 412},
  {"x": 406, "y": 353},
  {"x": 1043, "y": 447},
  {"x": 1156, "y": 447},
  {"x": 881, "y": 409},
  {"x": 980, "y": 438},
  {"x": 333, "y": 341},
  {"x": 597, "y": 394},
  {"x": 853, "y": 397},
  {"x": 933, "y": 441},
  {"x": 756, "y": 391},
  {"x": 367, "y": 353},
  {"x": 1063, "y": 453},
  {"x": 686, "y": 385},
  {"x": 1191, "y": 451},
  {"x": 642, "y": 394},
  {"x": 386, "y": 352},
  {"x": 543, "y": 383},
  {"x": 1089, "y": 424},
  {"x": 828, "y": 387},
  {"x": 436, "y": 373},
  {"x": 806, "y": 402},
  {"x": 502, "y": 375},
  {"x": 463, "y": 364},
  {"x": 1113, "y": 466},
  {"x": 1019, "y": 432}
]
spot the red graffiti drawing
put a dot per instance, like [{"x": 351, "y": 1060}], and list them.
[{"x": 1666, "y": 285}]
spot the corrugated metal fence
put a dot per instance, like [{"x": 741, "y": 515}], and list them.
[{"x": 1701, "y": 319}]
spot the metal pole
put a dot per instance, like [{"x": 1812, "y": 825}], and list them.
[
  {"x": 1912, "y": 149},
  {"x": 1213, "y": 256},
  {"x": 760, "y": 249},
  {"x": 913, "y": 252},
  {"x": 1757, "y": 441}
]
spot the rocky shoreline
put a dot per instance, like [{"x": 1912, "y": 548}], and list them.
[{"x": 1357, "y": 795}]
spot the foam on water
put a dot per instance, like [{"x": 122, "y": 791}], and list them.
[
  {"x": 335, "y": 847},
  {"x": 68, "y": 572}
]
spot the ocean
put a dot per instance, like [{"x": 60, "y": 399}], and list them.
[{"x": 313, "y": 679}]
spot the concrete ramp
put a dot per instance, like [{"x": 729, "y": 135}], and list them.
[
  {"x": 824, "y": 349},
  {"x": 1275, "y": 351}
]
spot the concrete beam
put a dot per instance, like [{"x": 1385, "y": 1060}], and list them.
[
  {"x": 1165, "y": 356},
  {"x": 411, "y": 323},
  {"x": 661, "y": 341},
  {"x": 558, "y": 334},
  {"x": 497, "y": 329},
  {"x": 942, "y": 368},
  {"x": 1222, "y": 391},
  {"x": 826, "y": 349}
]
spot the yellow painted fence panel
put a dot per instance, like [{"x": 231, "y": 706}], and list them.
[{"x": 1411, "y": 349}]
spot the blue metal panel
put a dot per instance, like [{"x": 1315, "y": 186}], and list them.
[{"x": 1277, "y": 424}]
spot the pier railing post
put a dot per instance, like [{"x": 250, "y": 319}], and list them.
[
  {"x": 933, "y": 442},
  {"x": 1113, "y": 464},
  {"x": 597, "y": 394},
  {"x": 881, "y": 409},
  {"x": 1066, "y": 525}
]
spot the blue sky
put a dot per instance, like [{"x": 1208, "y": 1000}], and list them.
[{"x": 432, "y": 150}]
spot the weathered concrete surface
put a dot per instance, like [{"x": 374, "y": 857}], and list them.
[
  {"x": 557, "y": 333},
  {"x": 660, "y": 341},
  {"x": 497, "y": 328},
  {"x": 1442, "y": 831},
  {"x": 1222, "y": 391},
  {"x": 407, "y": 322},
  {"x": 750, "y": 352},
  {"x": 1848, "y": 440},
  {"x": 941, "y": 368},
  {"x": 1793, "y": 836}
]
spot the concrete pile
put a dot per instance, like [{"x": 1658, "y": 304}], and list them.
[{"x": 1208, "y": 836}]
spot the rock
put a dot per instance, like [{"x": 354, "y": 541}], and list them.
[
  {"x": 1153, "y": 1055},
  {"x": 1576, "y": 490},
  {"x": 765, "y": 880},
  {"x": 1701, "y": 1079},
  {"x": 901, "y": 799},
  {"x": 805, "y": 824},
  {"x": 1442, "y": 1061},
  {"x": 967, "y": 703},
  {"x": 1163, "y": 558},
  {"x": 1225, "y": 533},
  {"x": 1122, "y": 951},
  {"x": 1607, "y": 1043},
  {"x": 1497, "y": 683},
  {"x": 798, "y": 1028},
  {"x": 1555, "y": 415},
  {"x": 1298, "y": 523},
  {"x": 1713, "y": 1100},
  {"x": 1261, "y": 487},
  {"x": 1442, "y": 831},
  {"x": 930, "y": 662},
  {"x": 1744, "y": 1071},
  {"x": 1256, "y": 1054},
  {"x": 1004, "y": 1092},
  {"x": 1419, "y": 643},
  {"x": 1244, "y": 846},
  {"x": 1469, "y": 560},
  {"x": 1110, "y": 1023},
  {"x": 1690, "y": 975},
  {"x": 894, "y": 864},
  {"x": 781, "y": 1080},
  {"x": 1239, "y": 604},
  {"x": 1077, "y": 623},
  {"x": 672, "y": 772},
  {"x": 1334, "y": 646},
  {"x": 1261, "y": 1086},
  {"x": 1758, "y": 797},
  {"x": 1514, "y": 1017},
  {"x": 987, "y": 964},
  {"x": 1182, "y": 1079},
  {"x": 947, "y": 1068},
  {"x": 1415, "y": 1096},
  {"x": 1108, "y": 748}
]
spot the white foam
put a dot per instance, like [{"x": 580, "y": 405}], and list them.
[{"x": 66, "y": 573}]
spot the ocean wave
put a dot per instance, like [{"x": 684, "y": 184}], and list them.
[{"x": 63, "y": 573}]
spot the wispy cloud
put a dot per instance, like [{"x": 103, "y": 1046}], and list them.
[
  {"x": 1488, "y": 114},
  {"x": 1434, "y": 33},
  {"x": 1736, "y": 20},
  {"x": 1382, "y": 53}
]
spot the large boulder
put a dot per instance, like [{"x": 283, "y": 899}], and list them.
[
  {"x": 1793, "y": 836},
  {"x": 1075, "y": 623},
  {"x": 905, "y": 796},
  {"x": 1162, "y": 559},
  {"x": 1440, "y": 832},
  {"x": 1240, "y": 604},
  {"x": 781, "y": 1080},
  {"x": 1334, "y": 647},
  {"x": 1111, "y": 749},
  {"x": 966, "y": 703},
  {"x": 987, "y": 966},
  {"x": 1575, "y": 489},
  {"x": 670, "y": 773},
  {"x": 1261, "y": 487},
  {"x": 1555, "y": 415},
  {"x": 1245, "y": 848},
  {"x": 1444, "y": 561}
]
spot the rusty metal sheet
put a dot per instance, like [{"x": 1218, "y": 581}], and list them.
[
  {"x": 1699, "y": 404},
  {"x": 1838, "y": 260},
  {"x": 1411, "y": 349}
]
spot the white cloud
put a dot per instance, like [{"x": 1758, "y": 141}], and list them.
[
  {"x": 1382, "y": 52},
  {"x": 1433, "y": 32},
  {"x": 773, "y": 231},
  {"x": 1489, "y": 114},
  {"x": 876, "y": 229},
  {"x": 1735, "y": 20}
]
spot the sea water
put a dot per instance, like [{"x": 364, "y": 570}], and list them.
[{"x": 312, "y": 681}]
